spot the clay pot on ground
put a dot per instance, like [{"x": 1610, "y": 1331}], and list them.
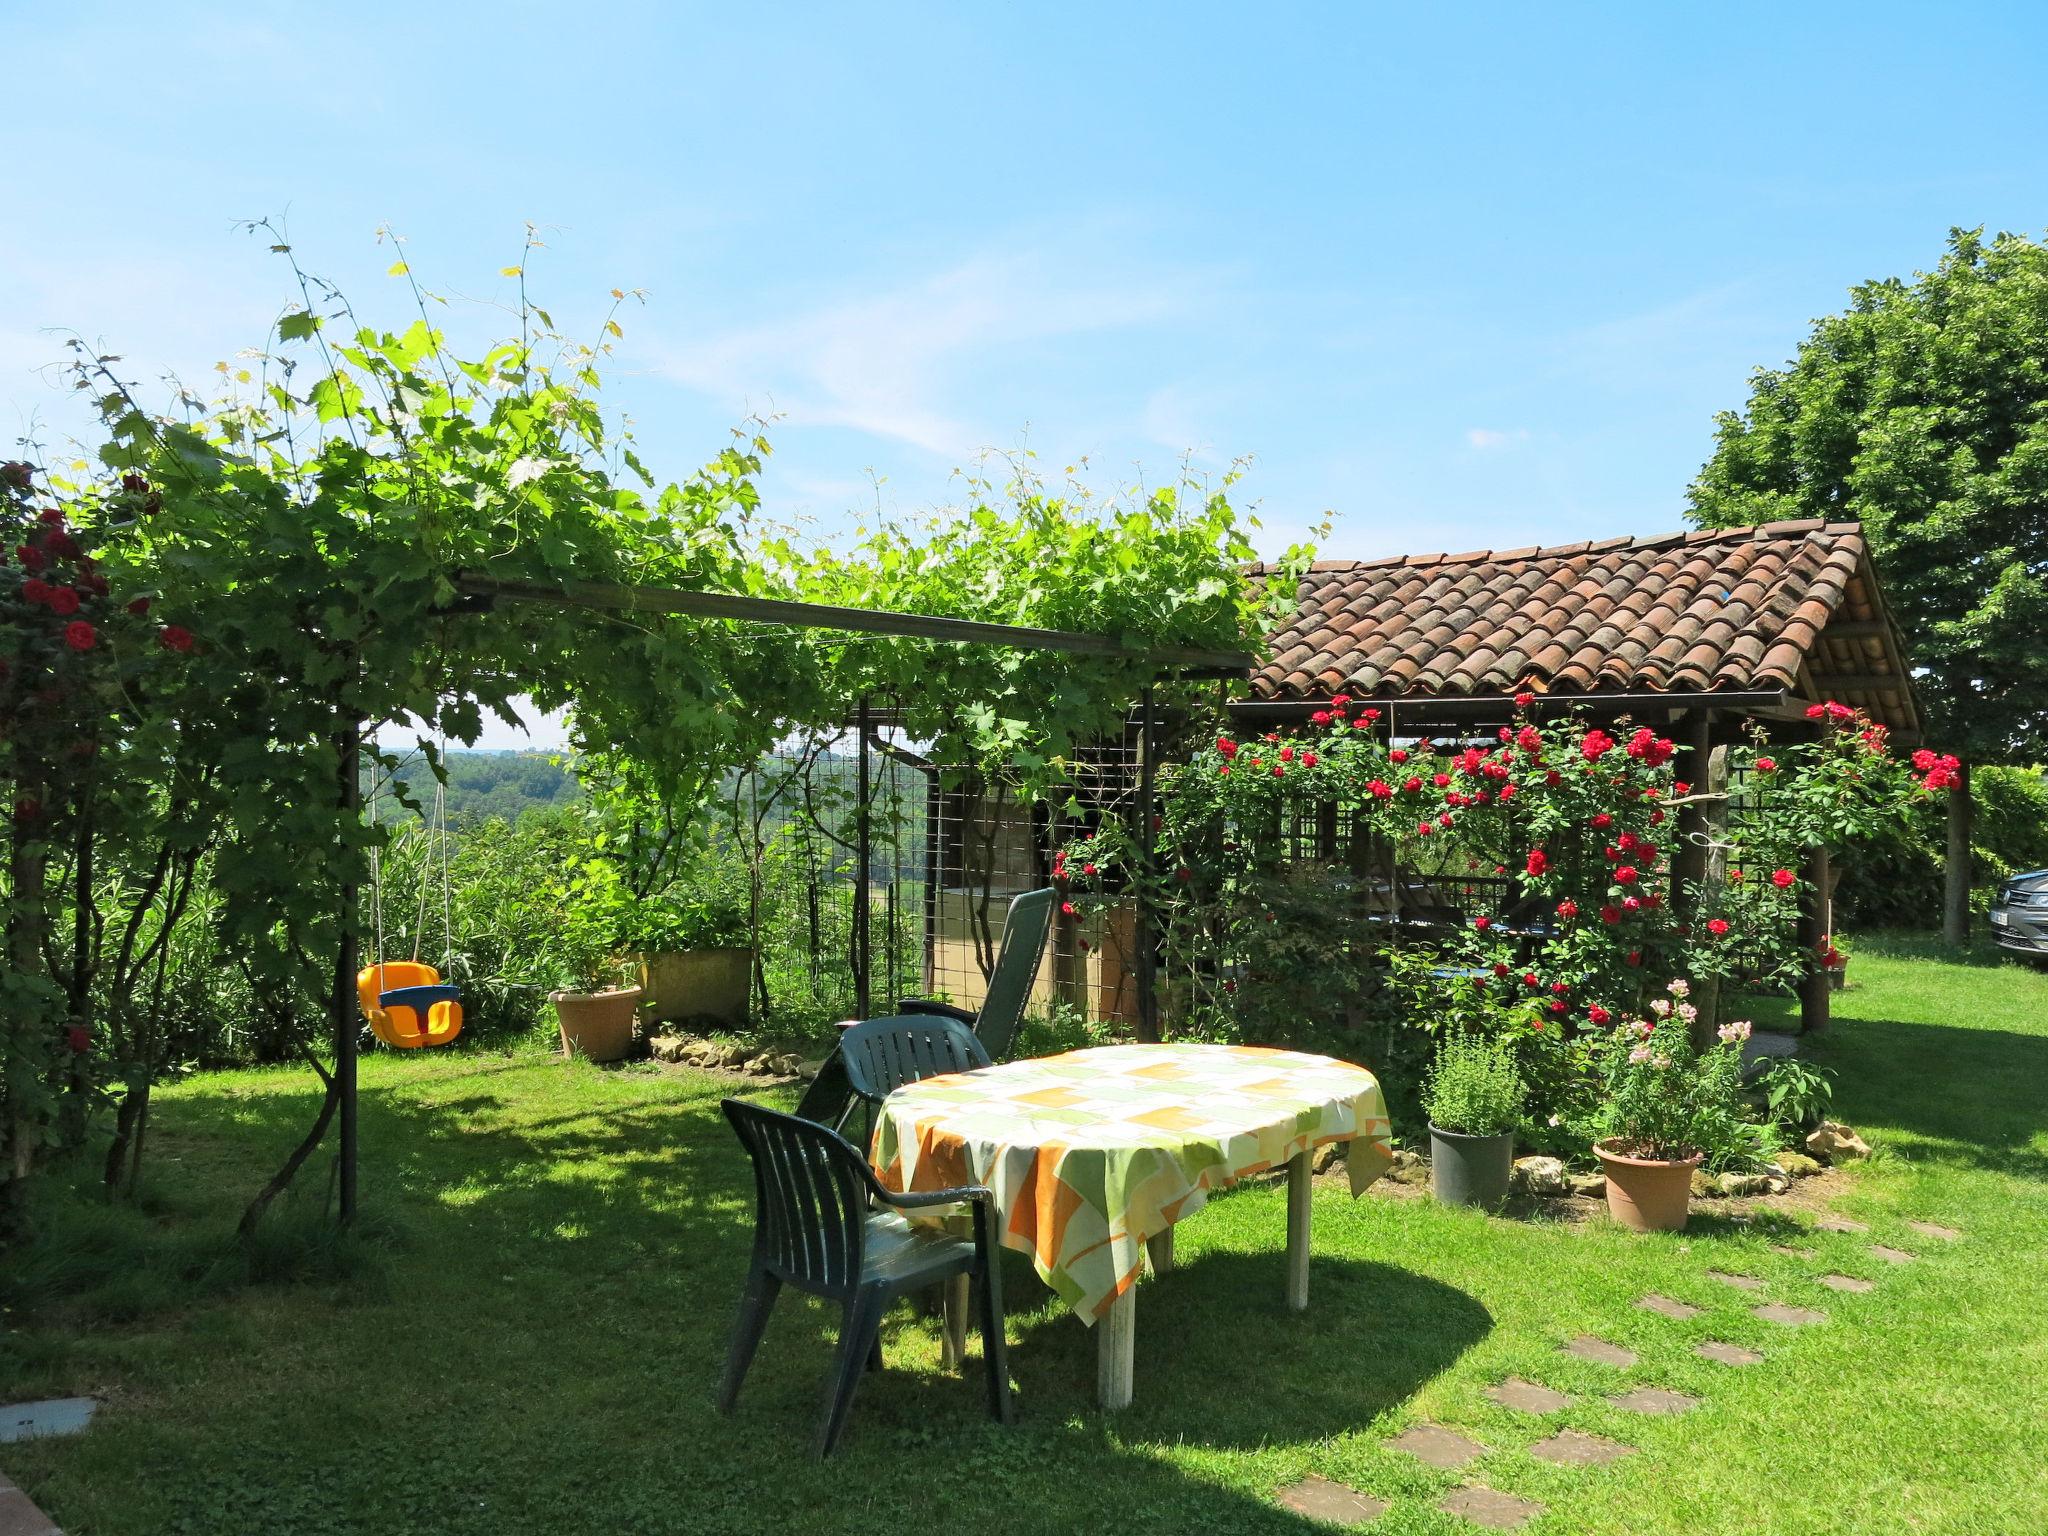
[
  {"x": 598, "y": 1025},
  {"x": 1647, "y": 1194}
]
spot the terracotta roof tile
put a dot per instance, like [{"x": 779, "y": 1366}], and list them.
[{"x": 1691, "y": 611}]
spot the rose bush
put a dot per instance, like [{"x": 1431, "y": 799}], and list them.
[{"x": 1553, "y": 840}]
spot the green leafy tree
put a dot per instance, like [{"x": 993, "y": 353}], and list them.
[{"x": 1922, "y": 410}]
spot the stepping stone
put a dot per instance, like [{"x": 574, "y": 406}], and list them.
[
  {"x": 1573, "y": 1448},
  {"x": 1791, "y": 1317},
  {"x": 1435, "y": 1446},
  {"x": 1846, "y": 1283},
  {"x": 1527, "y": 1396},
  {"x": 19, "y": 1515},
  {"x": 1840, "y": 1224},
  {"x": 1727, "y": 1354},
  {"x": 1792, "y": 1253},
  {"x": 1740, "y": 1282},
  {"x": 1892, "y": 1255},
  {"x": 1935, "y": 1229},
  {"x": 46, "y": 1416},
  {"x": 1655, "y": 1400},
  {"x": 1490, "y": 1508},
  {"x": 1664, "y": 1306},
  {"x": 1588, "y": 1347},
  {"x": 1321, "y": 1499}
]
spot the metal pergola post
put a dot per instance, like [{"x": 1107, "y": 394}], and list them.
[{"x": 863, "y": 855}]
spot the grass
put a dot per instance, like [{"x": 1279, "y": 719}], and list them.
[{"x": 525, "y": 1334}]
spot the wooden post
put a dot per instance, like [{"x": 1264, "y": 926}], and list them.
[
  {"x": 1299, "y": 1191},
  {"x": 342, "y": 1006},
  {"x": 1814, "y": 989},
  {"x": 1115, "y": 1353},
  {"x": 1955, "y": 913},
  {"x": 1689, "y": 861}
]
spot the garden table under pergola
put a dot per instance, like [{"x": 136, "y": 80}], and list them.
[{"x": 1094, "y": 1155}]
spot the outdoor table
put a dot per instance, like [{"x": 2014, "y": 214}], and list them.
[{"x": 1094, "y": 1155}]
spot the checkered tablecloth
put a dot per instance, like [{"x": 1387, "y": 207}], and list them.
[{"x": 1093, "y": 1152}]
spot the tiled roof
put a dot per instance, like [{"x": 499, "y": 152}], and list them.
[{"x": 1787, "y": 606}]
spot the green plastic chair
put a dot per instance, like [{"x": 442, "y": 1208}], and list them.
[
  {"x": 831, "y": 1100},
  {"x": 818, "y": 1227},
  {"x": 1009, "y": 983}
]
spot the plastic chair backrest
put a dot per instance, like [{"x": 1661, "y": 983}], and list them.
[
  {"x": 811, "y": 1203},
  {"x": 881, "y": 1055},
  {"x": 1009, "y": 983}
]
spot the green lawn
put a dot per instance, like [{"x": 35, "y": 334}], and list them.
[{"x": 539, "y": 1310}]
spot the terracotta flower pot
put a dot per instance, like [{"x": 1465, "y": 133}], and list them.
[
  {"x": 1647, "y": 1194},
  {"x": 597, "y": 1024}
]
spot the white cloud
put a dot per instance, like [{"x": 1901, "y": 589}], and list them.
[
  {"x": 882, "y": 364},
  {"x": 1488, "y": 439}
]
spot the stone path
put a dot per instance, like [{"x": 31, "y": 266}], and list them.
[
  {"x": 1727, "y": 1354},
  {"x": 19, "y": 1515},
  {"x": 1574, "y": 1448},
  {"x": 1589, "y": 1347},
  {"x": 1664, "y": 1306},
  {"x": 1654, "y": 1400},
  {"x": 1527, "y": 1396},
  {"x": 1791, "y": 1317},
  {"x": 1435, "y": 1446},
  {"x": 1484, "y": 1506},
  {"x": 1321, "y": 1499},
  {"x": 1446, "y": 1450}
]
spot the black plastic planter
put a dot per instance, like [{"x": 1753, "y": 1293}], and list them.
[{"x": 1470, "y": 1170}]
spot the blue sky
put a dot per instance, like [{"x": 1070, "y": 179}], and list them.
[{"x": 1468, "y": 279}]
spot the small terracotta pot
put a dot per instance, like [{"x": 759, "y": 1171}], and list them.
[
  {"x": 597, "y": 1024},
  {"x": 1646, "y": 1194}
]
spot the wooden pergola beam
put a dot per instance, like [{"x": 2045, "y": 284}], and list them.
[{"x": 604, "y": 596}]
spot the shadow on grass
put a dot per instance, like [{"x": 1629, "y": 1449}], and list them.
[{"x": 1975, "y": 1093}]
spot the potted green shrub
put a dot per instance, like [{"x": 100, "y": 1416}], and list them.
[
  {"x": 595, "y": 1003},
  {"x": 1473, "y": 1099},
  {"x": 693, "y": 946},
  {"x": 1668, "y": 1108}
]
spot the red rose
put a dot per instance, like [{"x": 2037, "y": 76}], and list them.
[
  {"x": 63, "y": 601},
  {"x": 1087, "y": 869},
  {"x": 79, "y": 1039},
  {"x": 1597, "y": 1015},
  {"x": 1635, "y": 957},
  {"x": 1482, "y": 923},
  {"x": 1287, "y": 754},
  {"x": 80, "y": 635},
  {"x": 1309, "y": 759},
  {"x": 1524, "y": 700},
  {"x": 1320, "y": 717},
  {"x": 1380, "y": 789},
  {"x": 1369, "y": 716},
  {"x": 1225, "y": 768},
  {"x": 1279, "y": 772},
  {"x": 1766, "y": 765},
  {"x": 1559, "y": 987},
  {"x": 1717, "y": 926},
  {"x": 1815, "y": 711},
  {"x": 1440, "y": 779},
  {"x": 1627, "y": 874},
  {"x": 1066, "y": 909},
  {"x": 1782, "y": 878},
  {"x": 1226, "y": 746},
  {"x": 1529, "y": 980},
  {"x": 35, "y": 590},
  {"x": 1500, "y": 969},
  {"x": 1398, "y": 755},
  {"x": 1538, "y": 862},
  {"x": 175, "y": 638},
  {"x": 30, "y": 557},
  {"x": 1610, "y": 914},
  {"x": 1557, "y": 1005},
  {"x": 1340, "y": 701},
  {"x": 1567, "y": 908},
  {"x": 1412, "y": 784}
]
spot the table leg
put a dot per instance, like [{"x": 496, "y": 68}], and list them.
[
  {"x": 953, "y": 1340},
  {"x": 1298, "y": 1191},
  {"x": 1114, "y": 1337},
  {"x": 1159, "y": 1249}
]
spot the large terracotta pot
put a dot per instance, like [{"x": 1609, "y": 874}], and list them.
[
  {"x": 697, "y": 984},
  {"x": 597, "y": 1024},
  {"x": 1645, "y": 1194}
]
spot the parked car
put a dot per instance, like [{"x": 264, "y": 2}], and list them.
[{"x": 2019, "y": 913}]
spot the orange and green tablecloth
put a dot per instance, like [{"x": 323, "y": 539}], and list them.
[{"x": 1092, "y": 1152}]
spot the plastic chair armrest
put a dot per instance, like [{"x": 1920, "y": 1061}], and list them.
[{"x": 931, "y": 1005}]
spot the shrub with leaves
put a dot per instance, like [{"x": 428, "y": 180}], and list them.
[{"x": 1474, "y": 1088}]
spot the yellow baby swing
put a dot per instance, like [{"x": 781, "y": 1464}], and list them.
[{"x": 406, "y": 1003}]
